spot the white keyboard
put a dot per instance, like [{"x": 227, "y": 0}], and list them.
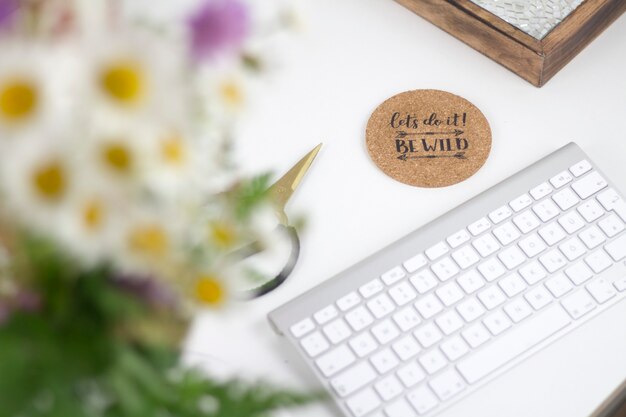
[{"x": 431, "y": 318}]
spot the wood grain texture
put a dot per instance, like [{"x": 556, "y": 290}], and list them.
[{"x": 534, "y": 60}]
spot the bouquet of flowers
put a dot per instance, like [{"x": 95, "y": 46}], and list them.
[{"x": 119, "y": 207}]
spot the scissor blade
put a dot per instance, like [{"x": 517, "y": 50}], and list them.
[{"x": 283, "y": 189}]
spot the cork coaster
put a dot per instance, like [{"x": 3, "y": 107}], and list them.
[{"x": 428, "y": 138}]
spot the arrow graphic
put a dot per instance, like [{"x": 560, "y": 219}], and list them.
[
  {"x": 402, "y": 134},
  {"x": 458, "y": 155}
]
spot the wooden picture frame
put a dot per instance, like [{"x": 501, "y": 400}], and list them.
[{"x": 534, "y": 60}]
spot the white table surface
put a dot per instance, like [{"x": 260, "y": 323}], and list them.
[{"x": 353, "y": 55}]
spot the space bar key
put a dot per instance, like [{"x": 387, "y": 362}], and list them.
[{"x": 514, "y": 343}]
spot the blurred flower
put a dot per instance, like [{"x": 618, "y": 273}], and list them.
[
  {"x": 217, "y": 25},
  {"x": 148, "y": 289},
  {"x": 7, "y": 11},
  {"x": 210, "y": 290}
]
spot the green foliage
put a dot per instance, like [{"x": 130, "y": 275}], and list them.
[
  {"x": 77, "y": 356},
  {"x": 249, "y": 194}
]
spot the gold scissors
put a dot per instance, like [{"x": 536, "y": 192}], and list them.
[{"x": 280, "y": 193}]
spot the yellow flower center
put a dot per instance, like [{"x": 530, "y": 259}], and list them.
[
  {"x": 93, "y": 214},
  {"x": 232, "y": 94},
  {"x": 123, "y": 82},
  {"x": 173, "y": 150},
  {"x": 149, "y": 240},
  {"x": 49, "y": 181},
  {"x": 223, "y": 235},
  {"x": 118, "y": 157},
  {"x": 18, "y": 100},
  {"x": 209, "y": 290}
]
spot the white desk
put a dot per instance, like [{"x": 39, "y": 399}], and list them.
[{"x": 353, "y": 55}]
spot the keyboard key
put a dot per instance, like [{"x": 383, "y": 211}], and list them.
[
  {"x": 506, "y": 233},
  {"x": 500, "y": 214},
  {"x": 334, "y": 361},
  {"x": 589, "y": 185},
  {"x": 348, "y": 301},
  {"x": 520, "y": 203},
  {"x": 471, "y": 281},
  {"x": 428, "y": 306},
  {"x": 362, "y": 403},
  {"x": 427, "y": 335},
  {"x": 385, "y": 331},
  {"x": 314, "y": 344},
  {"x": 302, "y": 327},
  {"x": 541, "y": 191},
  {"x": 353, "y": 379},
  {"x": 592, "y": 237},
  {"x": 447, "y": 384},
  {"x": 591, "y": 210},
  {"x": 533, "y": 272},
  {"x": 559, "y": 285},
  {"x": 449, "y": 322},
  {"x": 445, "y": 269},
  {"x": 337, "y": 331},
  {"x": 454, "y": 348},
  {"x": 437, "y": 251},
  {"x": 611, "y": 225},
  {"x": 497, "y": 322},
  {"x": 518, "y": 310},
  {"x": 617, "y": 248},
  {"x": 406, "y": 348},
  {"x": 475, "y": 335},
  {"x": 532, "y": 246},
  {"x": 400, "y": 408},
  {"x": 580, "y": 168},
  {"x": 486, "y": 245},
  {"x": 371, "y": 288},
  {"x": 573, "y": 248},
  {"x": 552, "y": 233},
  {"x": 491, "y": 269},
  {"x": 402, "y": 293},
  {"x": 512, "y": 284},
  {"x": 565, "y": 199},
  {"x": 512, "y": 344},
  {"x": 384, "y": 361},
  {"x": 553, "y": 260},
  {"x": 415, "y": 263},
  {"x": 388, "y": 388},
  {"x": 465, "y": 257},
  {"x": 393, "y": 275},
  {"x": 512, "y": 257},
  {"x": 579, "y": 304},
  {"x": 449, "y": 294},
  {"x": 433, "y": 361},
  {"x": 491, "y": 297},
  {"x": 561, "y": 179},
  {"x": 620, "y": 284},
  {"x": 538, "y": 297},
  {"x": 526, "y": 222},
  {"x": 411, "y": 374},
  {"x": 601, "y": 290},
  {"x": 470, "y": 309},
  {"x": 422, "y": 399},
  {"x": 546, "y": 210},
  {"x": 406, "y": 318},
  {"x": 359, "y": 318},
  {"x": 326, "y": 314},
  {"x": 609, "y": 199},
  {"x": 458, "y": 238},
  {"x": 571, "y": 222},
  {"x": 380, "y": 306},
  {"x": 579, "y": 273},
  {"x": 479, "y": 226},
  {"x": 599, "y": 260},
  {"x": 424, "y": 281},
  {"x": 363, "y": 344}
]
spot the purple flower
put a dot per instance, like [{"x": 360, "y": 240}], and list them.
[
  {"x": 7, "y": 11},
  {"x": 146, "y": 289},
  {"x": 218, "y": 25}
]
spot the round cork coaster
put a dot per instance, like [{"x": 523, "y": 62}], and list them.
[{"x": 428, "y": 138}]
